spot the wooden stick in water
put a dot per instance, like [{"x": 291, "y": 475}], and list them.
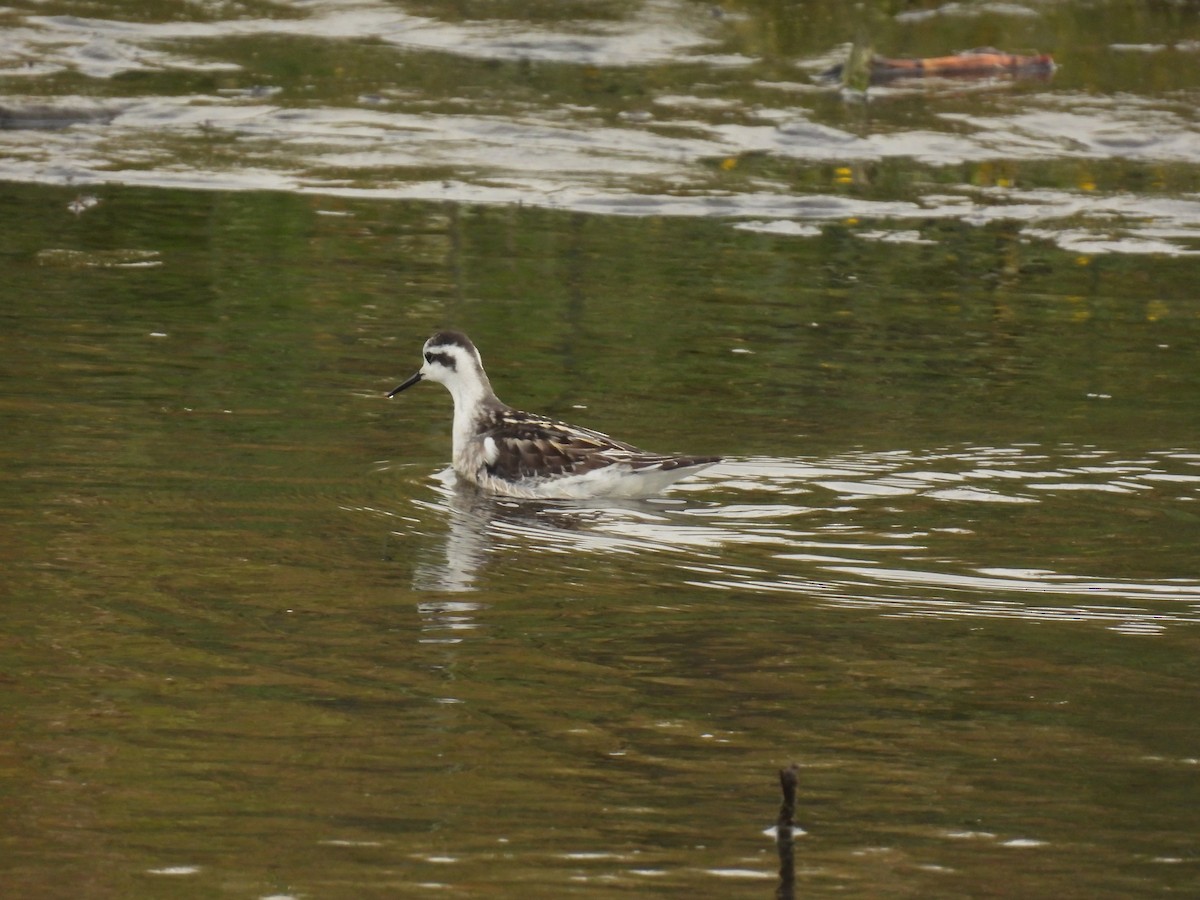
[
  {"x": 787, "y": 783},
  {"x": 784, "y": 826}
]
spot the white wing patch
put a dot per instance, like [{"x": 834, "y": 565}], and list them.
[{"x": 491, "y": 452}]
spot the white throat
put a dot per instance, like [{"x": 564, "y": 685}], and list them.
[{"x": 473, "y": 398}]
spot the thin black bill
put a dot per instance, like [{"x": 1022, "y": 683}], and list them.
[{"x": 416, "y": 377}]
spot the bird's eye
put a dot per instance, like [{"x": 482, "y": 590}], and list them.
[{"x": 428, "y": 357}]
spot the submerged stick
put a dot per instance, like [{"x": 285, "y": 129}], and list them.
[
  {"x": 787, "y": 783},
  {"x": 784, "y": 833}
]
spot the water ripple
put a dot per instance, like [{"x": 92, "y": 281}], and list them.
[
  {"x": 877, "y": 531},
  {"x": 652, "y": 156}
]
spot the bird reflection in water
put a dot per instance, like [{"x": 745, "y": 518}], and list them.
[{"x": 476, "y": 525}]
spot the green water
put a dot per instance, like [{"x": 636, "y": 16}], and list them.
[
  {"x": 252, "y": 647},
  {"x": 255, "y": 642}
]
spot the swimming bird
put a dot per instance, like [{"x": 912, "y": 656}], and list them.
[{"x": 519, "y": 454}]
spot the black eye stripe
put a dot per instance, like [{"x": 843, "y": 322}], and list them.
[{"x": 443, "y": 359}]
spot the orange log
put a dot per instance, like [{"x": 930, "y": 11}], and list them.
[{"x": 972, "y": 62}]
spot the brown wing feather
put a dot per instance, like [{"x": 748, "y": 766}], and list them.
[
  {"x": 530, "y": 446},
  {"x": 534, "y": 445}
]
